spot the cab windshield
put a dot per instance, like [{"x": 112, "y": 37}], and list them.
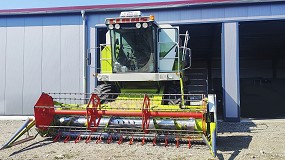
[{"x": 132, "y": 50}]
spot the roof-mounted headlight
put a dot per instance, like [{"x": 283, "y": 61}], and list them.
[
  {"x": 145, "y": 25},
  {"x": 117, "y": 26},
  {"x": 110, "y": 26},
  {"x": 138, "y": 25}
]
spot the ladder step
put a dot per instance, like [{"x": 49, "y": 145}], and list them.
[
  {"x": 198, "y": 79},
  {"x": 198, "y": 85}
]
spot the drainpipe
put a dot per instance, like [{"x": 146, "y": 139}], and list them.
[{"x": 84, "y": 67}]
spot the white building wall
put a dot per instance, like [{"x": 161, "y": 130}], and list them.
[
  {"x": 32, "y": 63},
  {"x": 3, "y": 44},
  {"x": 38, "y": 54},
  {"x": 14, "y": 75}
]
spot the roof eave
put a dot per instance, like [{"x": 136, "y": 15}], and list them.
[{"x": 120, "y": 7}]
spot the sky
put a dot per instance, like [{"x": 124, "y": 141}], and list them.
[{"x": 19, "y": 4}]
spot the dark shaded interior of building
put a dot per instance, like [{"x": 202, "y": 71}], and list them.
[
  {"x": 101, "y": 39},
  {"x": 262, "y": 65},
  {"x": 205, "y": 44},
  {"x": 262, "y": 69}
]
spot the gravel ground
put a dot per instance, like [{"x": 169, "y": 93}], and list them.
[{"x": 251, "y": 139}]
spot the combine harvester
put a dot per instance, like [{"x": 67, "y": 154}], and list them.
[{"x": 143, "y": 94}]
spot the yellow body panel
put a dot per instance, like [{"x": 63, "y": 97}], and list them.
[{"x": 106, "y": 60}]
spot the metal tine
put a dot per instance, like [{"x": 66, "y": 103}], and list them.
[
  {"x": 78, "y": 138},
  {"x": 89, "y": 138},
  {"x": 57, "y": 137},
  {"x": 177, "y": 141},
  {"x": 154, "y": 140},
  {"x": 189, "y": 142},
  {"x": 131, "y": 140},
  {"x": 166, "y": 141},
  {"x": 143, "y": 140},
  {"x": 66, "y": 139},
  {"x": 109, "y": 140},
  {"x": 99, "y": 139},
  {"x": 120, "y": 139}
]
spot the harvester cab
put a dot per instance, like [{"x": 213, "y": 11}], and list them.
[
  {"x": 140, "y": 54},
  {"x": 140, "y": 96}
]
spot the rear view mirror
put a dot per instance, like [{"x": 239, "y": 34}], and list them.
[{"x": 187, "y": 58}]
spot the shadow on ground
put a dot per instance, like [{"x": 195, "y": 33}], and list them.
[
  {"x": 233, "y": 144},
  {"x": 33, "y": 146}
]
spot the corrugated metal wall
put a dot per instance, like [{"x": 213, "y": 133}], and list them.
[{"x": 38, "y": 54}]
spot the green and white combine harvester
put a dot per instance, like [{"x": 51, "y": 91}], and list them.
[{"x": 142, "y": 93}]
